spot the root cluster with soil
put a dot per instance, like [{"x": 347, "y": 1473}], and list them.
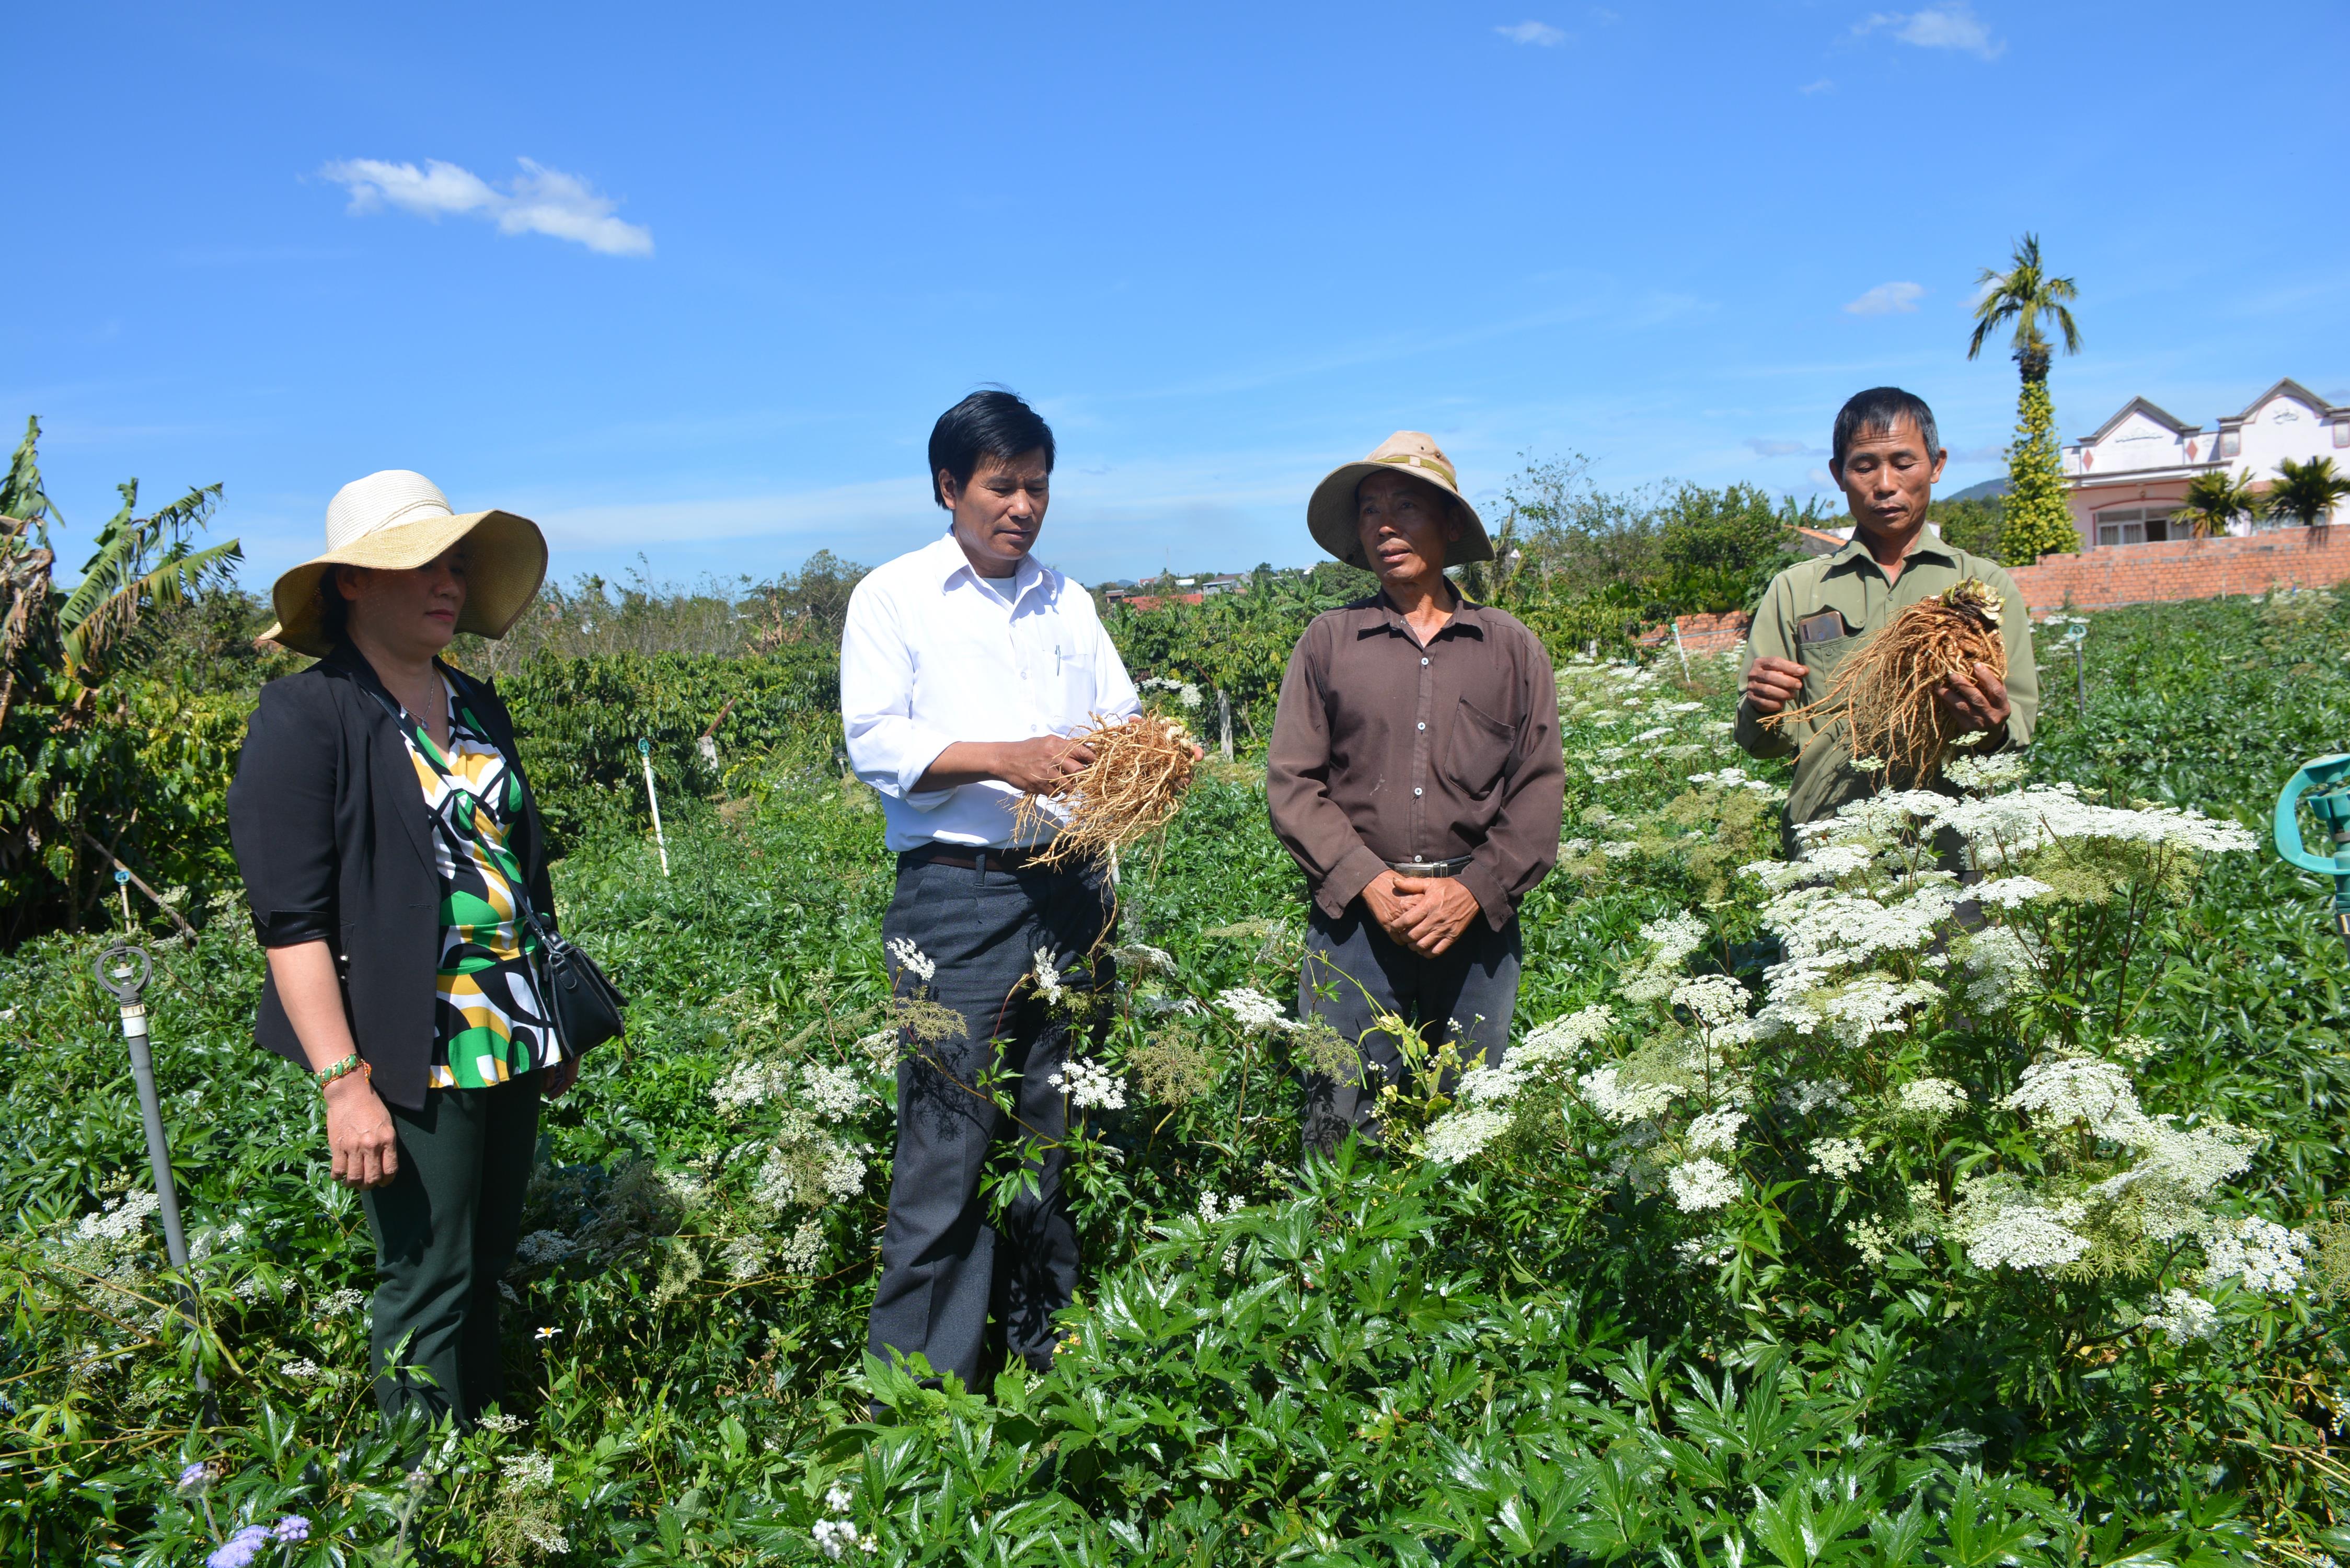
[
  {"x": 1131, "y": 789},
  {"x": 1887, "y": 693}
]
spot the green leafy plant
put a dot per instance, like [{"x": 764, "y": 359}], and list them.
[{"x": 2215, "y": 500}]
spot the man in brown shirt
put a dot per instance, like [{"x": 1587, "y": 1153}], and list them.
[{"x": 1414, "y": 776}]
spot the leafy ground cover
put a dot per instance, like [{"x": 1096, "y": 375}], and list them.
[{"x": 1694, "y": 1283}]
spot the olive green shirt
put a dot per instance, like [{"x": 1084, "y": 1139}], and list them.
[{"x": 1816, "y": 613}]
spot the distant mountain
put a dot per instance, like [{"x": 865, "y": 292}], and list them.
[{"x": 1989, "y": 490}]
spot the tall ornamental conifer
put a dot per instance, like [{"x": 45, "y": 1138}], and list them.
[{"x": 2037, "y": 521}]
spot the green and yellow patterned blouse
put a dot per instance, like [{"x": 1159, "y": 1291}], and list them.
[{"x": 491, "y": 1025}]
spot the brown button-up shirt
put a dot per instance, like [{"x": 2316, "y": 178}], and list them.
[{"x": 1384, "y": 750}]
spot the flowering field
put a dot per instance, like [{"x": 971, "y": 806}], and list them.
[{"x": 1822, "y": 1213}]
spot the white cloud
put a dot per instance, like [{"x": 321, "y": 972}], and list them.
[
  {"x": 539, "y": 201},
  {"x": 1530, "y": 32},
  {"x": 1951, "y": 26},
  {"x": 1888, "y": 299},
  {"x": 1761, "y": 448},
  {"x": 1821, "y": 479},
  {"x": 1822, "y": 85}
]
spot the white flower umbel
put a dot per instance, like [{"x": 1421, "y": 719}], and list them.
[
  {"x": 1624, "y": 1102},
  {"x": 1713, "y": 999},
  {"x": 1143, "y": 959},
  {"x": 1253, "y": 1009},
  {"x": 1463, "y": 1134},
  {"x": 2003, "y": 964},
  {"x": 2026, "y": 1236},
  {"x": 1048, "y": 977},
  {"x": 1982, "y": 774},
  {"x": 2182, "y": 1316},
  {"x": 749, "y": 1084},
  {"x": 910, "y": 957},
  {"x": 1701, "y": 1185},
  {"x": 2010, "y": 892},
  {"x": 1091, "y": 1086},
  {"x": 544, "y": 1247},
  {"x": 2064, "y": 1091},
  {"x": 2259, "y": 1254},
  {"x": 1562, "y": 1039},
  {"x": 1930, "y": 1099},
  {"x": 1716, "y": 1130},
  {"x": 1998, "y": 828},
  {"x": 1838, "y": 1157},
  {"x": 833, "y": 1092}
]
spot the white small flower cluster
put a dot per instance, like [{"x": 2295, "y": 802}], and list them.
[
  {"x": 1462, "y": 1135},
  {"x": 2182, "y": 1318},
  {"x": 743, "y": 1258},
  {"x": 1701, "y": 1185},
  {"x": 504, "y": 1424},
  {"x": 1621, "y": 1101},
  {"x": 833, "y": 1091},
  {"x": 1930, "y": 1099},
  {"x": 526, "y": 1472},
  {"x": 834, "y": 1536},
  {"x": 1714, "y": 1000},
  {"x": 1562, "y": 1039},
  {"x": 1091, "y": 1086},
  {"x": 341, "y": 1303},
  {"x": 2003, "y": 963},
  {"x": 1734, "y": 777},
  {"x": 1141, "y": 958},
  {"x": 122, "y": 1220},
  {"x": 302, "y": 1367},
  {"x": 1804, "y": 1095},
  {"x": 1716, "y": 1129},
  {"x": 1185, "y": 692},
  {"x": 1998, "y": 828},
  {"x": 749, "y": 1084},
  {"x": 910, "y": 957},
  {"x": 805, "y": 1251},
  {"x": 1048, "y": 977},
  {"x": 1709, "y": 1252},
  {"x": 1658, "y": 734},
  {"x": 1215, "y": 1207},
  {"x": 1981, "y": 773},
  {"x": 2025, "y": 1235},
  {"x": 2010, "y": 892},
  {"x": 2067, "y": 1091},
  {"x": 1253, "y": 1009},
  {"x": 544, "y": 1247},
  {"x": 2259, "y": 1254},
  {"x": 1838, "y": 1157}
]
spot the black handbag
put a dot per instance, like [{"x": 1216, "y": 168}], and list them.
[{"x": 582, "y": 1003}]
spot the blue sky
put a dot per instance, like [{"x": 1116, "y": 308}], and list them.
[{"x": 694, "y": 282}]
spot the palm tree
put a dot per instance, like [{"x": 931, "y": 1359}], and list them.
[
  {"x": 2024, "y": 294},
  {"x": 2307, "y": 492},
  {"x": 139, "y": 563},
  {"x": 2036, "y": 520},
  {"x": 2217, "y": 498}
]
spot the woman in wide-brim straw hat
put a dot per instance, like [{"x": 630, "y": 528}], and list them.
[{"x": 394, "y": 858}]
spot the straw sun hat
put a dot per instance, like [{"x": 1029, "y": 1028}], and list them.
[
  {"x": 398, "y": 521},
  {"x": 1330, "y": 515}
]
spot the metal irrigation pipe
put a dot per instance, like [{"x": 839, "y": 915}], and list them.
[{"x": 115, "y": 969}]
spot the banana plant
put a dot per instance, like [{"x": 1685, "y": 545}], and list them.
[{"x": 138, "y": 563}]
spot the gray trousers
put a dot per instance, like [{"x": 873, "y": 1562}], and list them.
[
  {"x": 945, "y": 1265},
  {"x": 1465, "y": 993},
  {"x": 444, "y": 1234}
]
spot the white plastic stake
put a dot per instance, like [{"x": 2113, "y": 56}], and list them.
[
  {"x": 1678, "y": 649},
  {"x": 645, "y": 755},
  {"x": 1224, "y": 714}
]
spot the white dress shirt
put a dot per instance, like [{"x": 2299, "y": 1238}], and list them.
[{"x": 932, "y": 654}]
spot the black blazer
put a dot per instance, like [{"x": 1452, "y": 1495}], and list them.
[{"x": 335, "y": 843}]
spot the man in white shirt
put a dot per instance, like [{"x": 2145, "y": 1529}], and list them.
[{"x": 964, "y": 667}]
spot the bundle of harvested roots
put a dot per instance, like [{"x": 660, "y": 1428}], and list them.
[
  {"x": 1130, "y": 790},
  {"x": 1888, "y": 692}
]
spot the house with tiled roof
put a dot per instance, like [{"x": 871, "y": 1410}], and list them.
[{"x": 2127, "y": 479}]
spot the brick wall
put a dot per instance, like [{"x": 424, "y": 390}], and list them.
[
  {"x": 2120, "y": 575},
  {"x": 2187, "y": 570}
]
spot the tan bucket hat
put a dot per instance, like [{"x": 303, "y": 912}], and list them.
[
  {"x": 398, "y": 521},
  {"x": 1330, "y": 515}
]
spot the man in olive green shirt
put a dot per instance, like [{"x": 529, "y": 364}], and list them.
[{"x": 1888, "y": 456}]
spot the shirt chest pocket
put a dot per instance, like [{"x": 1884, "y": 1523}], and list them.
[
  {"x": 1478, "y": 751},
  {"x": 1823, "y": 641}
]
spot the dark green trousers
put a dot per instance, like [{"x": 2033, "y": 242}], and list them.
[{"x": 444, "y": 1231}]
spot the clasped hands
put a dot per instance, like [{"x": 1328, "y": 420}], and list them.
[
  {"x": 1425, "y": 914},
  {"x": 1979, "y": 705}
]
